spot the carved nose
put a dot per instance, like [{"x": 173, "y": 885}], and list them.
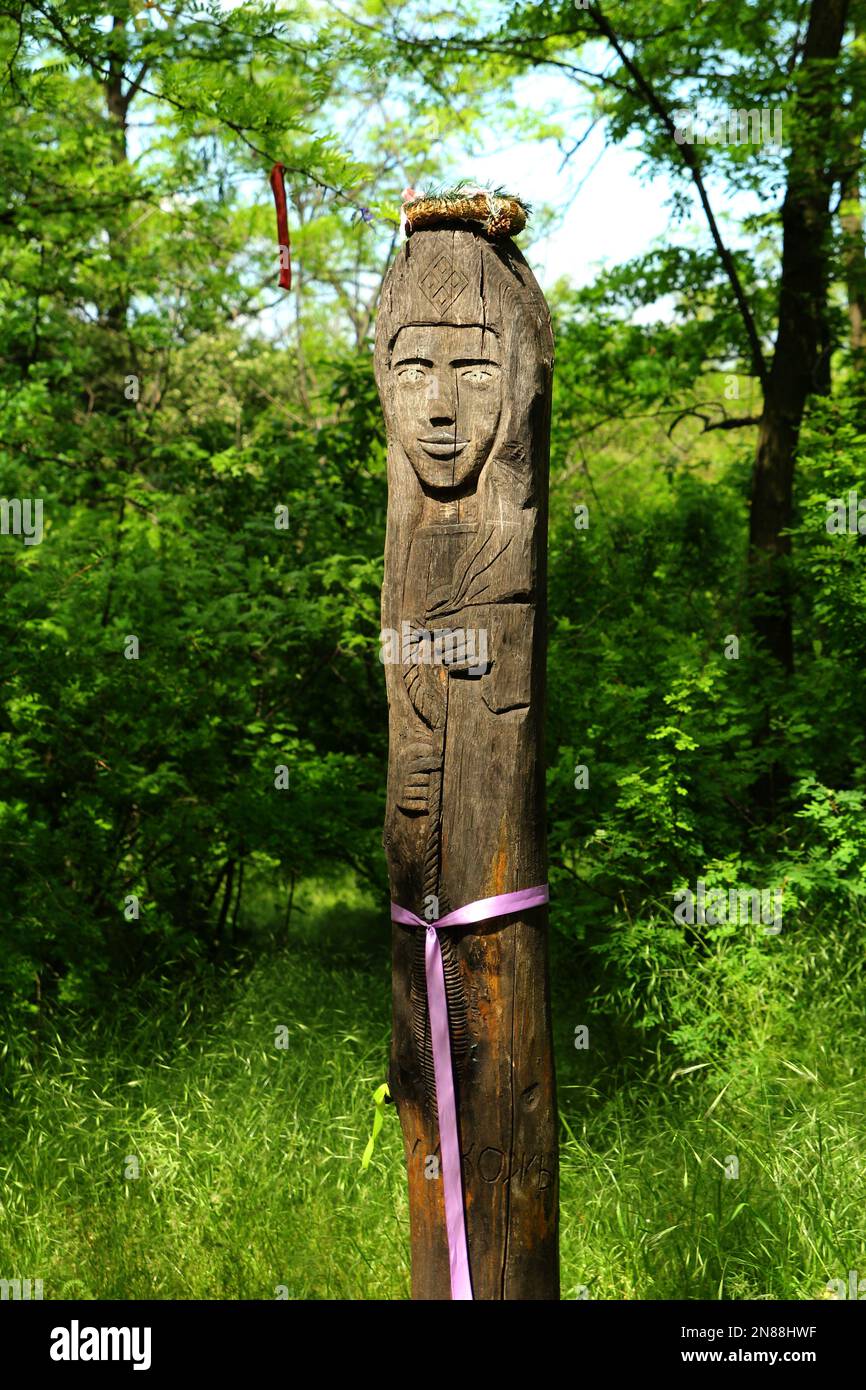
[{"x": 443, "y": 403}]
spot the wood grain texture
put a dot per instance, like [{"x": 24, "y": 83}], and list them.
[{"x": 464, "y": 359}]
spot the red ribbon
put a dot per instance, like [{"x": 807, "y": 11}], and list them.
[{"x": 278, "y": 184}]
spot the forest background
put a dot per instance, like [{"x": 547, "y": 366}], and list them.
[{"x": 194, "y": 962}]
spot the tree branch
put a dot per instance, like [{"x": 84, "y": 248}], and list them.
[
  {"x": 728, "y": 422},
  {"x": 654, "y": 102}
]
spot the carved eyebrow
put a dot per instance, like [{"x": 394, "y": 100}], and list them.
[{"x": 455, "y": 362}]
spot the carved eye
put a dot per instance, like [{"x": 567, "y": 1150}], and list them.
[
  {"x": 411, "y": 374},
  {"x": 477, "y": 374}
]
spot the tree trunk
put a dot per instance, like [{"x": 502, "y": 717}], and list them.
[
  {"x": 851, "y": 220},
  {"x": 801, "y": 361},
  {"x": 117, "y": 106},
  {"x": 464, "y": 358},
  {"x": 854, "y": 260}
]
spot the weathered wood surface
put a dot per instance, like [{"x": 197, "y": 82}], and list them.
[{"x": 464, "y": 358}]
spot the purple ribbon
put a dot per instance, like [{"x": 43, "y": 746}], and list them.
[{"x": 440, "y": 1038}]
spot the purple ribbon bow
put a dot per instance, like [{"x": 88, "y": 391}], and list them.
[{"x": 446, "y": 1106}]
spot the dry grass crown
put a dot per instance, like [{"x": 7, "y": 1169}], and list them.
[{"x": 496, "y": 212}]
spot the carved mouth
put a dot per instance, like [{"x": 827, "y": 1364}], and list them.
[{"x": 443, "y": 446}]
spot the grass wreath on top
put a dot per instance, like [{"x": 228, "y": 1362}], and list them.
[{"x": 497, "y": 212}]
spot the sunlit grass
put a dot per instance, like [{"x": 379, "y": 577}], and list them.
[{"x": 250, "y": 1179}]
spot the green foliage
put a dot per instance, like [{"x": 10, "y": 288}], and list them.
[
  {"x": 644, "y": 600},
  {"x": 212, "y": 485}
]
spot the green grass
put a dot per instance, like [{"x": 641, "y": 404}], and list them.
[{"x": 250, "y": 1154}]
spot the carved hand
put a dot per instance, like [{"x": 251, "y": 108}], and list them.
[
  {"x": 424, "y": 681},
  {"x": 421, "y": 758}
]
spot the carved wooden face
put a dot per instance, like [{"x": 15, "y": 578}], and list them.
[{"x": 447, "y": 400}]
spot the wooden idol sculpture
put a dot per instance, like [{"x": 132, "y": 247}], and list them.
[{"x": 464, "y": 359}]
